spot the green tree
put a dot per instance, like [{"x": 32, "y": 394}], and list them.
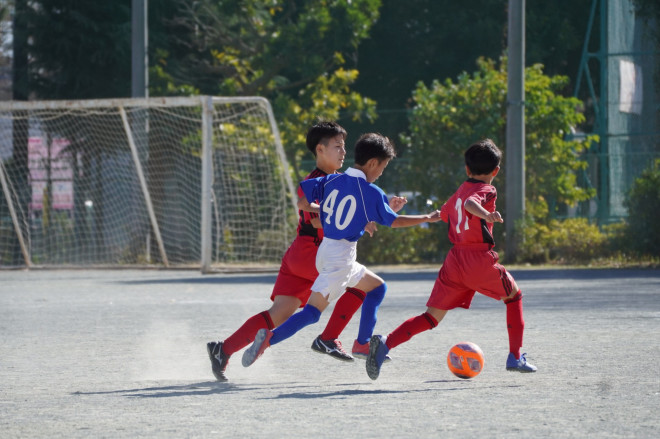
[
  {"x": 448, "y": 117},
  {"x": 293, "y": 53},
  {"x": 423, "y": 40},
  {"x": 79, "y": 50},
  {"x": 643, "y": 228}
]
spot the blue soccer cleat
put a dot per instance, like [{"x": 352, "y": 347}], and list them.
[
  {"x": 520, "y": 365},
  {"x": 377, "y": 353}
]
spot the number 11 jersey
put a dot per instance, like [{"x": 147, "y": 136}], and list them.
[{"x": 465, "y": 228}]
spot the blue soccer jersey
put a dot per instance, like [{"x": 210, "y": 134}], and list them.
[{"x": 348, "y": 202}]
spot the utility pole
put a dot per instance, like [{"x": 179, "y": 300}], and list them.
[
  {"x": 140, "y": 89},
  {"x": 139, "y": 54},
  {"x": 515, "y": 127}
]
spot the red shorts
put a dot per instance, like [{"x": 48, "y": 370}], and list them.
[
  {"x": 298, "y": 270},
  {"x": 468, "y": 270}
]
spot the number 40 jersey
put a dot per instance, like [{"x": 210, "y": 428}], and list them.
[{"x": 348, "y": 202}]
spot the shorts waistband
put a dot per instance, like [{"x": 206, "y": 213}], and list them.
[
  {"x": 477, "y": 246},
  {"x": 340, "y": 241}
]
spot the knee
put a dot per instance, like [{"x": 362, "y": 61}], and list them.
[
  {"x": 515, "y": 297},
  {"x": 377, "y": 294},
  {"x": 313, "y": 312}
]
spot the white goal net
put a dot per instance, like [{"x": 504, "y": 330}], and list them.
[{"x": 200, "y": 181}]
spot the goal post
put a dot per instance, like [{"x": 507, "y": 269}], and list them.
[{"x": 189, "y": 181}]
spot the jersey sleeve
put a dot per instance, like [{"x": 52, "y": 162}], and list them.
[
  {"x": 307, "y": 216},
  {"x": 381, "y": 213},
  {"x": 311, "y": 189},
  {"x": 444, "y": 211},
  {"x": 485, "y": 196}
]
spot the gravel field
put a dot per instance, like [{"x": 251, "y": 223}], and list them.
[{"x": 122, "y": 354}]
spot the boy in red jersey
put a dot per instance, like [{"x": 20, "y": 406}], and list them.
[
  {"x": 470, "y": 266},
  {"x": 326, "y": 140}
]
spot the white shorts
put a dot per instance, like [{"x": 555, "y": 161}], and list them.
[{"x": 337, "y": 267}]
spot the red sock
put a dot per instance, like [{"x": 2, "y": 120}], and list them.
[
  {"x": 515, "y": 324},
  {"x": 246, "y": 333},
  {"x": 348, "y": 303},
  {"x": 410, "y": 328}
]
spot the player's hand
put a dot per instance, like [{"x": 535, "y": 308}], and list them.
[
  {"x": 370, "y": 228},
  {"x": 494, "y": 217},
  {"x": 434, "y": 216},
  {"x": 397, "y": 203}
]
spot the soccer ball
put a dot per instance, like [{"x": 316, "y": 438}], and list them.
[{"x": 465, "y": 360}]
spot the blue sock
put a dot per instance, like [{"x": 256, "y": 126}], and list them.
[
  {"x": 295, "y": 323},
  {"x": 369, "y": 309}
]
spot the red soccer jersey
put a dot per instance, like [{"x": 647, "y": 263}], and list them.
[
  {"x": 305, "y": 227},
  {"x": 465, "y": 228}
]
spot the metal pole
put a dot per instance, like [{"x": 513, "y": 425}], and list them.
[
  {"x": 143, "y": 185},
  {"x": 603, "y": 122},
  {"x": 207, "y": 181},
  {"x": 515, "y": 127},
  {"x": 139, "y": 54}
]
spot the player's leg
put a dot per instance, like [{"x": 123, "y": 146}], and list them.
[
  {"x": 310, "y": 314},
  {"x": 220, "y": 352},
  {"x": 448, "y": 293},
  {"x": 380, "y": 345},
  {"x": 338, "y": 269},
  {"x": 493, "y": 280},
  {"x": 377, "y": 288},
  {"x": 328, "y": 341},
  {"x": 283, "y": 307},
  {"x": 265, "y": 338},
  {"x": 291, "y": 289},
  {"x": 515, "y": 325}
]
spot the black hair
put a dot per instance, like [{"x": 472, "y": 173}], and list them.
[
  {"x": 373, "y": 145},
  {"x": 483, "y": 157},
  {"x": 321, "y": 132}
]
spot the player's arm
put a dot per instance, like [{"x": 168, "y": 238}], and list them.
[
  {"x": 476, "y": 209},
  {"x": 413, "y": 220},
  {"x": 396, "y": 203},
  {"x": 306, "y": 206}
]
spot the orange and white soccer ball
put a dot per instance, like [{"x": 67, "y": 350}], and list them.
[{"x": 465, "y": 360}]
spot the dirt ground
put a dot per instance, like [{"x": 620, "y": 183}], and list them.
[{"x": 122, "y": 354}]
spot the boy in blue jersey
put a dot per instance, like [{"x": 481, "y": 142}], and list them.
[
  {"x": 326, "y": 140},
  {"x": 346, "y": 203}
]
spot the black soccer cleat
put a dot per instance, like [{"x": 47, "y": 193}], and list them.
[
  {"x": 332, "y": 348},
  {"x": 218, "y": 358}
]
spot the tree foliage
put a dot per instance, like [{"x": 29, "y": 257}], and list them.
[
  {"x": 449, "y": 116},
  {"x": 79, "y": 50},
  {"x": 292, "y": 52},
  {"x": 643, "y": 228},
  {"x": 423, "y": 40}
]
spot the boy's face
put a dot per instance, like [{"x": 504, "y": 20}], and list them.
[
  {"x": 330, "y": 154},
  {"x": 375, "y": 168}
]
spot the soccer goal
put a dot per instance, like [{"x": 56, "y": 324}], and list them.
[{"x": 200, "y": 181}]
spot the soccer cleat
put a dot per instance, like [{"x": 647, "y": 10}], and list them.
[
  {"x": 261, "y": 343},
  {"x": 361, "y": 351},
  {"x": 332, "y": 348},
  {"x": 218, "y": 358},
  {"x": 377, "y": 352},
  {"x": 520, "y": 365}
]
